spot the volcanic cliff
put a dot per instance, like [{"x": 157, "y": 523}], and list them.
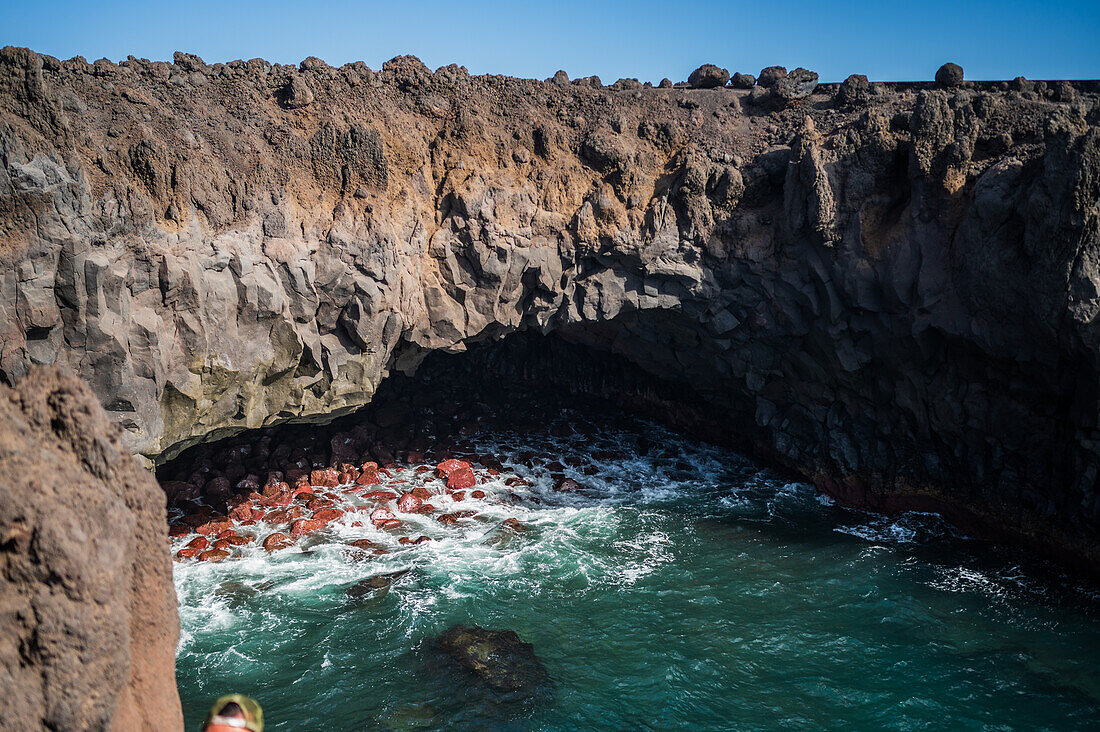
[{"x": 889, "y": 288}]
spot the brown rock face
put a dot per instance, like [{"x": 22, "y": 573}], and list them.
[{"x": 89, "y": 629}]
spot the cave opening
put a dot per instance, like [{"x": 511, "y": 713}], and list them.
[{"x": 521, "y": 382}]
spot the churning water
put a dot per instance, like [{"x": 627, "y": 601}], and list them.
[{"x": 682, "y": 588}]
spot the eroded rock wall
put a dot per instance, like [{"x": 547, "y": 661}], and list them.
[
  {"x": 893, "y": 292},
  {"x": 88, "y": 625}
]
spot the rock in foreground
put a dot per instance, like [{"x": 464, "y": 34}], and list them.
[{"x": 89, "y": 629}]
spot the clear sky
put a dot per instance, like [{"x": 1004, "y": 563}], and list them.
[{"x": 648, "y": 40}]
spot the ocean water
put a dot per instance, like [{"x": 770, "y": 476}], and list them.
[{"x": 683, "y": 587}]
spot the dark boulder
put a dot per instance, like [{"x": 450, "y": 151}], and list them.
[
  {"x": 708, "y": 76},
  {"x": 770, "y": 75},
  {"x": 854, "y": 90},
  {"x": 373, "y": 589},
  {"x": 949, "y": 75},
  {"x": 498, "y": 657},
  {"x": 742, "y": 81}
]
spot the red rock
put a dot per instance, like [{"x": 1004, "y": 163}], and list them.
[
  {"x": 363, "y": 544},
  {"x": 327, "y": 515},
  {"x": 319, "y": 504},
  {"x": 283, "y": 498},
  {"x": 477, "y": 494},
  {"x": 494, "y": 471},
  {"x": 446, "y": 468},
  {"x": 178, "y": 530},
  {"x": 346, "y": 477},
  {"x": 423, "y": 469},
  {"x": 452, "y": 518},
  {"x": 244, "y": 512},
  {"x": 277, "y": 541},
  {"x": 385, "y": 472},
  {"x": 417, "y": 540},
  {"x": 213, "y": 555},
  {"x": 239, "y": 539},
  {"x": 392, "y": 523},
  {"x": 274, "y": 489},
  {"x": 302, "y": 490},
  {"x": 380, "y": 516},
  {"x": 214, "y": 526},
  {"x": 460, "y": 479},
  {"x": 226, "y": 533},
  {"x": 513, "y": 524},
  {"x": 301, "y": 527},
  {"x": 379, "y": 496},
  {"x": 458, "y": 496},
  {"x": 368, "y": 475},
  {"x": 421, "y": 492},
  {"x": 199, "y": 542},
  {"x": 187, "y": 553},
  {"x": 408, "y": 503},
  {"x": 515, "y": 481},
  {"x": 324, "y": 478},
  {"x": 283, "y": 515},
  {"x": 427, "y": 508},
  {"x": 222, "y": 545}
]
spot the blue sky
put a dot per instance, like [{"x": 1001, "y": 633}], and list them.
[{"x": 642, "y": 39}]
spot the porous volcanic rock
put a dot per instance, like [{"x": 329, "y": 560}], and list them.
[
  {"x": 708, "y": 76},
  {"x": 897, "y": 299},
  {"x": 89, "y": 634}
]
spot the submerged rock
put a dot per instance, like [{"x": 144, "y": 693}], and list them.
[
  {"x": 373, "y": 589},
  {"x": 497, "y": 657}
]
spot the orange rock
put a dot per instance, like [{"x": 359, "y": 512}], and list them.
[
  {"x": 187, "y": 553},
  {"x": 199, "y": 542},
  {"x": 302, "y": 490},
  {"x": 222, "y": 545},
  {"x": 391, "y": 524},
  {"x": 275, "y": 488},
  {"x": 379, "y": 496},
  {"x": 363, "y": 544},
  {"x": 239, "y": 539},
  {"x": 477, "y": 494},
  {"x": 214, "y": 555},
  {"x": 368, "y": 477},
  {"x": 417, "y": 540},
  {"x": 461, "y": 478},
  {"x": 426, "y": 508},
  {"x": 301, "y": 527},
  {"x": 277, "y": 541},
  {"x": 284, "y": 515},
  {"x": 421, "y": 492}
]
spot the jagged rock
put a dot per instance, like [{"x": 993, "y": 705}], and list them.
[
  {"x": 949, "y": 75},
  {"x": 560, "y": 78},
  {"x": 90, "y": 628},
  {"x": 742, "y": 81},
  {"x": 770, "y": 75},
  {"x": 708, "y": 76},
  {"x": 666, "y": 83},
  {"x": 798, "y": 84}
]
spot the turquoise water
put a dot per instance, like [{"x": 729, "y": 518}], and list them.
[{"x": 684, "y": 588}]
